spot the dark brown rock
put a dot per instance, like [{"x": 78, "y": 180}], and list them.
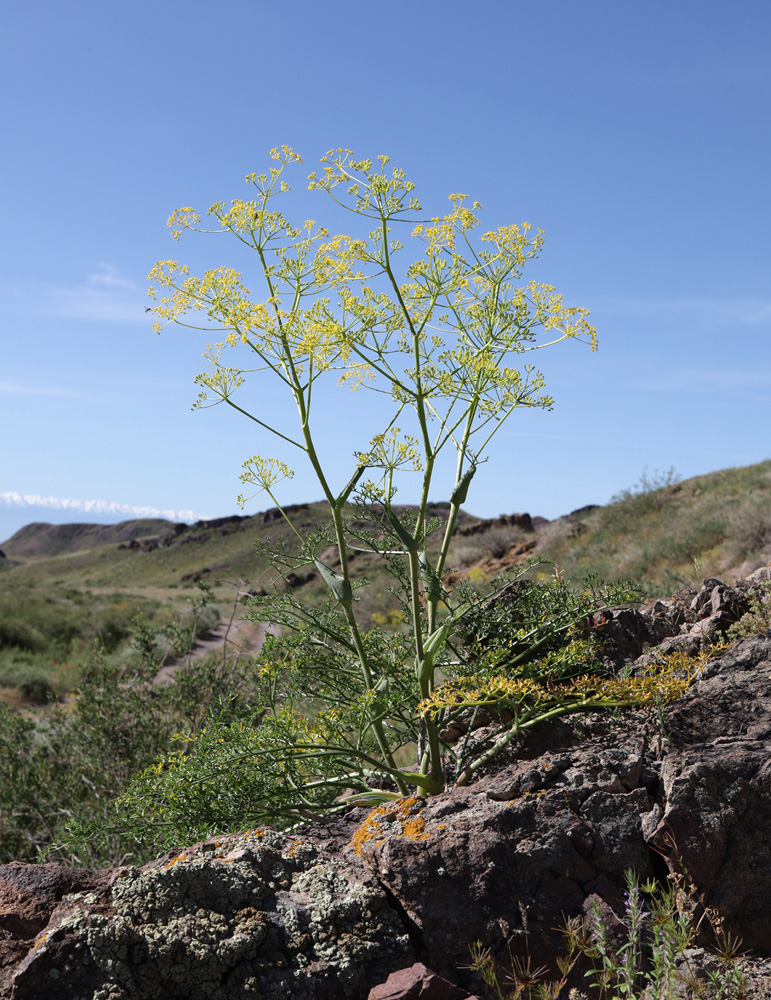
[
  {"x": 716, "y": 789},
  {"x": 29, "y": 894},
  {"x": 626, "y": 633},
  {"x": 294, "y": 580},
  {"x": 521, "y": 521},
  {"x": 274, "y": 514},
  {"x": 689, "y": 621},
  {"x": 548, "y": 833},
  {"x": 196, "y": 576},
  {"x": 530, "y": 842}
]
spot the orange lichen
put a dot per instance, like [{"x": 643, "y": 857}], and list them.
[
  {"x": 179, "y": 857},
  {"x": 394, "y": 819},
  {"x": 40, "y": 942}
]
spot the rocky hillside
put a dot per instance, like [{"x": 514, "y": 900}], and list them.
[
  {"x": 42, "y": 541},
  {"x": 661, "y": 533},
  {"x": 156, "y": 553}
]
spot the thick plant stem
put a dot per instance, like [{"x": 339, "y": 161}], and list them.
[
  {"x": 377, "y": 725},
  {"x": 455, "y": 507},
  {"x": 425, "y": 673},
  {"x": 337, "y": 517}
]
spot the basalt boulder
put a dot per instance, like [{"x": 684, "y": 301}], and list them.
[
  {"x": 689, "y": 621},
  {"x": 544, "y": 835},
  {"x": 256, "y": 915}
]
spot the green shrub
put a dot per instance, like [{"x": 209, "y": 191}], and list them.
[
  {"x": 65, "y": 767},
  {"x": 648, "y": 495},
  {"x": 751, "y": 525},
  {"x": 758, "y": 619}
]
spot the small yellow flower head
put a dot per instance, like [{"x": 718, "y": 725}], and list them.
[
  {"x": 370, "y": 492},
  {"x": 221, "y": 382},
  {"x": 356, "y": 375},
  {"x": 388, "y": 451},
  {"x": 182, "y": 218},
  {"x": 263, "y": 473},
  {"x": 286, "y": 155}
]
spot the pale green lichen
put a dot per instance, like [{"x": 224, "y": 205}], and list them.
[{"x": 239, "y": 925}]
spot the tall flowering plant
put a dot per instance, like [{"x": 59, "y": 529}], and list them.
[{"x": 443, "y": 339}]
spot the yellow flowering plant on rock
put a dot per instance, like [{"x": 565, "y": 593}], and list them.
[{"x": 443, "y": 342}]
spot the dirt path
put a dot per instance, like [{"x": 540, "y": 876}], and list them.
[{"x": 236, "y": 635}]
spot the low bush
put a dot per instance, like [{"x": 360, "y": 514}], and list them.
[
  {"x": 751, "y": 526},
  {"x": 649, "y": 494},
  {"x": 47, "y": 634},
  {"x": 66, "y": 765}
]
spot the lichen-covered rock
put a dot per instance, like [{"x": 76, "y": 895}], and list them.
[
  {"x": 541, "y": 837},
  {"x": 528, "y": 843},
  {"x": 28, "y": 896},
  {"x": 258, "y": 915},
  {"x": 715, "y": 794}
]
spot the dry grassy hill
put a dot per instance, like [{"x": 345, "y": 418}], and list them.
[{"x": 64, "y": 586}]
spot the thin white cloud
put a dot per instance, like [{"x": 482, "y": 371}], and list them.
[
  {"x": 95, "y": 507},
  {"x": 34, "y": 390},
  {"x": 107, "y": 305},
  {"x": 106, "y": 295},
  {"x": 745, "y": 310},
  {"x": 110, "y": 275}
]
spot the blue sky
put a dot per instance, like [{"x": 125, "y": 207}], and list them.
[{"x": 635, "y": 135}]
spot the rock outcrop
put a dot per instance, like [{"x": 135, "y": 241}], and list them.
[
  {"x": 555, "y": 828},
  {"x": 690, "y": 621},
  {"x": 256, "y": 915},
  {"x": 521, "y": 521},
  {"x": 332, "y": 910}
]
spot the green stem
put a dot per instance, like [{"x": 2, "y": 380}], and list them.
[
  {"x": 586, "y": 705},
  {"x": 425, "y": 682},
  {"x": 337, "y": 516},
  {"x": 452, "y": 520},
  {"x": 300, "y": 399}
]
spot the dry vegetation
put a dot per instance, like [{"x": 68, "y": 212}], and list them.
[
  {"x": 662, "y": 533},
  {"x": 64, "y": 587}
]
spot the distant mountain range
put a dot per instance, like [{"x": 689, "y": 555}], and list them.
[{"x": 658, "y": 534}]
